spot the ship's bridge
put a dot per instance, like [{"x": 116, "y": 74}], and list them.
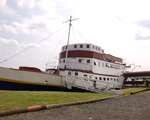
[
  {"x": 140, "y": 78},
  {"x": 83, "y": 47}
]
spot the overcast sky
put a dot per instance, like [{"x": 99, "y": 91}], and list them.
[{"x": 33, "y": 31}]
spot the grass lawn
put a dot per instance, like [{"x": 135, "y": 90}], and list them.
[
  {"x": 19, "y": 99},
  {"x": 127, "y": 91}
]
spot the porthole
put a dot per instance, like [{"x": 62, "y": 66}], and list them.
[{"x": 76, "y": 73}]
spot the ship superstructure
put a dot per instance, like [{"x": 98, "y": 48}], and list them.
[{"x": 91, "y": 63}]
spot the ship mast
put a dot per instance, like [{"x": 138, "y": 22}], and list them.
[{"x": 70, "y": 24}]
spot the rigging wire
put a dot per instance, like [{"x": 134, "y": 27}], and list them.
[{"x": 29, "y": 47}]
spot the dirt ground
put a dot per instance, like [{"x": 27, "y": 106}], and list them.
[{"x": 135, "y": 107}]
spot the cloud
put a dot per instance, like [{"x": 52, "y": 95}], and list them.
[
  {"x": 15, "y": 44},
  {"x": 25, "y": 3},
  {"x": 26, "y": 19},
  {"x": 3, "y": 3},
  {"x": 8, "y": 47},
  {"x": 21, "y": 28},
  {"x": 7, "y": 28},
  {"x": 35, "y": 26},
  {"x": 18, "y": 10},
  {"x": 28, "y": 28},
  {"x": 144, "y": 23},
  {"x": 13, "y": 49},
  {"x": 142, "y": 29},
  {"x": 143, "y": 33},
  {"x": 139, "y": 36},
  {"x": 8, "y": 42}
]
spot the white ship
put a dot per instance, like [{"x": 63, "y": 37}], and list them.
[{"x": 86, "y": 66}]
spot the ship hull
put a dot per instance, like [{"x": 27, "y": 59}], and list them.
[
  {"x": 12, "y": 79},
  {"x": 30, "y": 87}
]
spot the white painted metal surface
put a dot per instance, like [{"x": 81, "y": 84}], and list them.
[{"x": 11, "y": 75}]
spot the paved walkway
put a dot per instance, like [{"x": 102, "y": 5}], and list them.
[{"x": 135, "y": 107}]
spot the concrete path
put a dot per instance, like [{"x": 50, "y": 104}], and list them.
[{"x": 135, "y": 107}]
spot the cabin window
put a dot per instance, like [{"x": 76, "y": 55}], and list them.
[
  {"x": 69, "y": 73},
  {"x": 88, "y": 61},
  {"x": 107, "y": 79},
  {"x": 64, "y": 60},
  {"x": 80, "y": 60},
  {"x": 75, "y": 46},
  {"x": 94, "y": 63},
  {"x": 85, "y": 75},
  {"x": 81, "y": 46},
  {"x": 96, "y": 78},
  {"x": 100, "y": 78},
  {"x": 88, "y": 46},
  {"x": 76, "y": 73},
  {"x": 104, "y": 79}
]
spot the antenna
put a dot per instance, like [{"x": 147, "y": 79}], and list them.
[{"x": 70, "y": 24}]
